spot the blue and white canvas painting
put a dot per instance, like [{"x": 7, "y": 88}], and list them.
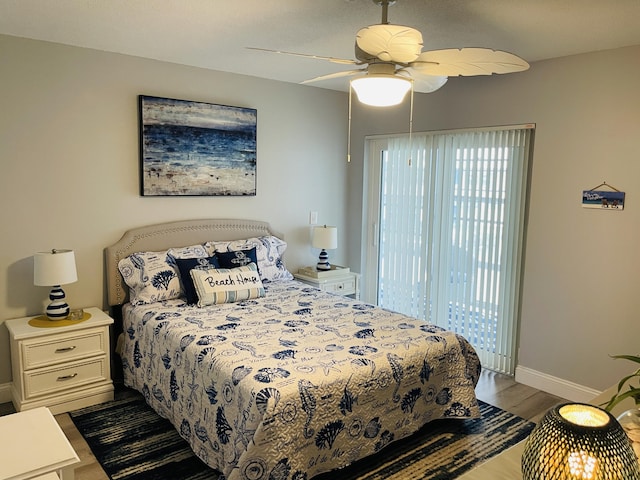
[{"x": 195, "y": 148}]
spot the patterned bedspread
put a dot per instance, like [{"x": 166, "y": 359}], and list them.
[{"x": 295, "y": 383}]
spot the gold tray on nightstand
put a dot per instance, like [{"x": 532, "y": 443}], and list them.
[{"x": 43, "y": 322}]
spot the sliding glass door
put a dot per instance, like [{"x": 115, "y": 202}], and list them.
[{"x": 445, "y": 232}]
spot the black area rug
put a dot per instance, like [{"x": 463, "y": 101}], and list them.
[{"x": 132, "y": 442}]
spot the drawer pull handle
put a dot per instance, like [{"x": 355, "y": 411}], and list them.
[
  {"x": 67, "y": 377},
  {"x": 66, "y": 349}
]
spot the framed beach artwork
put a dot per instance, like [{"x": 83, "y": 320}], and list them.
[
  {"x": 612, "y": 199},
  {"x": 196, "y": 149}
]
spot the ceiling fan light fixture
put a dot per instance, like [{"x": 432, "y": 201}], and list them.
[{"x": 381, "y": 90}]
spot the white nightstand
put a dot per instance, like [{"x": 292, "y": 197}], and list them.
[
  {"x": 341, "y": 281},
  {"x": 36, "y": 448},
  {"x": 63, "y": 367}
]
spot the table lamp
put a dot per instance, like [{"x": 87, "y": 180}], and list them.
[
  {"x": 325, "y": 238},
  {"x": 52, "y": 269},
  {"x": 576, "y": 441}
]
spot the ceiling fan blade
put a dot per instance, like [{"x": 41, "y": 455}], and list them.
[
  {"x": 390, "y": 43},
  {"x": 428, "y": 83},
  {"x": 341, "y": 61},
  {"x": 345, "y": 73},
  {"x": 423, "y": 83},
  {"x": 466, "y": 62}
]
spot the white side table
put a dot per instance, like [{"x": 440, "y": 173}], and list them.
[
  {"x": 61, "y": 367},
  {"x": 347, "y": 283},
  {"x": 33, "y": 446}
]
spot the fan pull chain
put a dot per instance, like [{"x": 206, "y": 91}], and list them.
[
  {"x": 349, "y": 130},
  {"x": 411, "y": 124}
]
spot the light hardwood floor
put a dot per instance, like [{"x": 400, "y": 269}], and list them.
[{"x": 494, "y": 388}]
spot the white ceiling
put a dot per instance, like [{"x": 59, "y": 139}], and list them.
[{"x": 213, "y": 34}]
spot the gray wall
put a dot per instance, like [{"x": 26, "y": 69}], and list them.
[
  {"x": 69, "y": 153},
  {"x": 580, "y": 299}
]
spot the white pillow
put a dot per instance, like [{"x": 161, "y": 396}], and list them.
[
  {"x": 192, "y": 251},
  {"x": 226, "y": 285},
  {"x": 154, "y": 276}
]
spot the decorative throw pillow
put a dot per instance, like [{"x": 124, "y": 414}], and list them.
[
  {"x": 269, "y": 252},
  {"x": 153, "y": 276},
  {"x": 215, "y": 286},
  {"x": 192, "y": 251},
  {"x": 185, "y": 265},
  {"x": 237, "y": 258},
  {"x": 213, "y": 248},
  {"x": 272, "y": 261}
]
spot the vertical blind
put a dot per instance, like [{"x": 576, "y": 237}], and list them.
[{"x": 451, "y": 232}]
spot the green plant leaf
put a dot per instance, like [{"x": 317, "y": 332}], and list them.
[
  {"x": 616, "y": 399},
  {"x": 633, "y": 358},
  {"x": 633, "y": 392}
]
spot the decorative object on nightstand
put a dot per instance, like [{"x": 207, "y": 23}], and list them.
[
  {"x": 64, "y": 367},
  {"x": 578, "y": 441},
  {"x": 53, "y": 269},
  {"x": 325, "y": 238}
]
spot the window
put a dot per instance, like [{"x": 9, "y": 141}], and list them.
[{"x": 446, "y": 219}]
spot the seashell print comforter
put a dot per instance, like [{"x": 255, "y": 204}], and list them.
[{"x": 295, "y": 383}]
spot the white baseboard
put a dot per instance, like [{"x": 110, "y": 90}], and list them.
[
  {"x": 555, "y": 386},
  {"x": 5, "y": 392}
]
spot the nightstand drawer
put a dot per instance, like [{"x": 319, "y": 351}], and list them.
[
  {"x": 63, "y": 348},
  {"x": 50, "y": 380},
  {"x": 337, "y": 282},
  {"x": 345, "y": 287}
]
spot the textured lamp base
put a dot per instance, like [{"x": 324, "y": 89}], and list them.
[
  {"x": 58, "y": 309},
  {"x": 323, "y": 261},
  {"x": 578, "y": 441}
]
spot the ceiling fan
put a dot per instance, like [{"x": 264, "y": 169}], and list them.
[{"x": 391, "y": 56}]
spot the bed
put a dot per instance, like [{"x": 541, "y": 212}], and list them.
[{"x": 277, "y": 380}]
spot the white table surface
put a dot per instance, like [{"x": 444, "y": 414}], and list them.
[{"x": 32, "y": 444}]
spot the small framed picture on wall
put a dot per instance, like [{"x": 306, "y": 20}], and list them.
[{"x": 612, "y": 199}]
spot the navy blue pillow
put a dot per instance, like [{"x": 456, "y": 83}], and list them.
[
  {"x": 237, "y": 258},
  {"x": 185, "y": 265}
]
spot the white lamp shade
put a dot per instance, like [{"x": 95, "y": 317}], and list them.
[
  {"x": 57, "y": 267},
  {"x": 381, "y": 90},
  {"x": 325, "y": 237}
]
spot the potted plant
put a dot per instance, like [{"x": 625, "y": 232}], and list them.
[
  {"x": 630, "y": 419},
  {"x": 632, "y": 392}
]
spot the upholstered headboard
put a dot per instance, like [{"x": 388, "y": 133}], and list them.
[{"x": 163, "y": 236}]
